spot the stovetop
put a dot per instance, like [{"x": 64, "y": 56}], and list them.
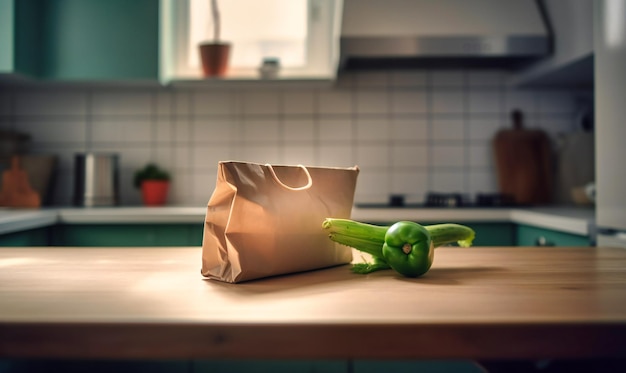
[{"x": 448, "y": 200}]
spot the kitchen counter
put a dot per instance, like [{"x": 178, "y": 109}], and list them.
[
  {"x": 484, "y": 303},
  {"x": 572, "y": 220}
]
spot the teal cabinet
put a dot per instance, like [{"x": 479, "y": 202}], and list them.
[
  {"x": 20, "y": 37},
  {"x": 528, "y": 235},
  {"x": 100, "y": 40},
  {"x": 119, "y": 235},
  {"x": 493, "y": 234},
  {"x": 31, "y": 237}
]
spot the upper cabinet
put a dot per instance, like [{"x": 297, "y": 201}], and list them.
[
  {"x": 20, "y": 38},
  {"x": 100, "y": 40},
  {"x": 571, "y": 64},
  {"x": 80, "y": 40}
]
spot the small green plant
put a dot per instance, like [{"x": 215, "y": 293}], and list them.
[{"x": 150, "y": 172}]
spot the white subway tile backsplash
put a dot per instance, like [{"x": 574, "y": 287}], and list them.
[
  {"x": 415, "y": 129},
  {"x": 335, "y": 130},
  {"x": 447, "y": 156},
  {"x": 447, "y": 79},
  {"x": 181, "y": 188},
  {"x": 202, "y": 188},
  {"x": 489, "y": 78},
  {"x": 409, "y": 132},
  {"x": 448, "y": 181},
  {"x": 521, "y": 100},
  {"x": 409, "y": 79},
  {"x": 299, "y": 154},
  {"x": 260, "y": 130},
  {"x": 372, "y": 80},
  {"x": 372, "y": 156},
  {"x": 50, "y": 103},
  {"x": 164, "y": 101},
  {"x": 182, "y": 157},
  {"x": 448, "y": 102},
  {"x": 52, "y": 130},
  {"x": 212, "y": 103},
  {"x": 259, "y": 102},
  {"x": 163, "y": 156},
  {"x": 182, "y": 130},
  {"x": 335, "y": 102},
  {"x": 481, "y": 155},
  {"x": 409, "y": 102},
  {"x": 6, "y": 104},
  {"x": 163, "y": 130},
  {"x": 131, "y": 158},
  {"x": 206, "y": 157},
  {"x": 484, "y": 129},
  {"x": 182, "y": 102},
  {"x": 121, "y": 131},
  {"x": 372, "y": 129},
  {"x": 335, "y": 155},
  {"x": 296, "y": 102},
  {"x": 448, "y": 129},
  {"x": 483, "y": 101},
  {"x": 482, "y": 181},
  {"x": 121, "y": 103},
  {"x": 298, "y": 130},
  {"x": 265, "y": 153},
  {"x": 409, "y": 156},
  {"x": 373, "y": 185},
  {"x": 372, "y": 102},
  {"x": 213, "y": 130},
  {"x": 412, "y": 184}
]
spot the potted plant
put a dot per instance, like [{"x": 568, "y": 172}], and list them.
[
  {"x": 214, "y": 54},
  {"x": 154, "y": 184}
]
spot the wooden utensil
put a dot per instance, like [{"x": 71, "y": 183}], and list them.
[
  {"x": 16, "y": 190},
  {"x": 524, "y": 163}
]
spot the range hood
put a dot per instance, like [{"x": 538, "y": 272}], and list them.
[{"x": 443, "y": 33}]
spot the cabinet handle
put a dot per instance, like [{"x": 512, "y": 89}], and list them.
[{"x": 542, "y": 241}]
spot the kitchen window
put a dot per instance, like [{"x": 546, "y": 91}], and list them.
[{"x": 302, "y": 34}]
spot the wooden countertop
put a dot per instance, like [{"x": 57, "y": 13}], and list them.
[{"x": 480, "y": 303}]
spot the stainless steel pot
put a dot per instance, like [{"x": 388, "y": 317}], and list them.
[{"x": 96, "y": 179}]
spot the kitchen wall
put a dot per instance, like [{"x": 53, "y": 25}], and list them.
[{"x": 410, "y": 132}]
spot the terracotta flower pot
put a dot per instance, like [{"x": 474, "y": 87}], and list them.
[
  {"x": 214, "y": 57},
  {"x": 154, "y": 192}
]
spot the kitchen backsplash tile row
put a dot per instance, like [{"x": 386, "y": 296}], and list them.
[{"x": 410, "y": 132}]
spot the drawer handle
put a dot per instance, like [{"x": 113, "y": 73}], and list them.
[{"x": 542, "y": 241}]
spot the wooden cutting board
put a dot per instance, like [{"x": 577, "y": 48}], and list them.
[
  {"x": 524, "y": 163},
  {"x": 15, "y": 189}
]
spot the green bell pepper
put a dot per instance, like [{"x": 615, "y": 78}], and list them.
[{"x": 408, "y": 248}]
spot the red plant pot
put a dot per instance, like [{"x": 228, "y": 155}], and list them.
[
  {"x": 154, "y": 192},
  {"x": 214, "y": 58}
]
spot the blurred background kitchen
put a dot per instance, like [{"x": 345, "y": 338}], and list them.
[{"x": 114, "y": 77}]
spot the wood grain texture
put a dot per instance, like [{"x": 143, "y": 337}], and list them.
[{"x": 480, "y": 303}]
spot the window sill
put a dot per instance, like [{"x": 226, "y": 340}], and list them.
[{"x": 253, "y": 83}]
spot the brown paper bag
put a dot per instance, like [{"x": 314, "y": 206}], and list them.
[{"x": 265, "y": 220}]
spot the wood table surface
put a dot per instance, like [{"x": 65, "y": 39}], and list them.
[{"x": 477, "y": 303}]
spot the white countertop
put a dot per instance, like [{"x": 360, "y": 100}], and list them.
[{"x": 566, "y": 219}]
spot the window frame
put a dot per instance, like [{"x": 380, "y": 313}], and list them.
[{"x": 322, "y": 49}]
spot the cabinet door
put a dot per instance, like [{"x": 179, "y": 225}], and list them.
[
  {"x": 118, "y": 235},
  {"x": 528, "y": 235},
  {"x": 101, "y": 40},
  {"x": 20, "y": 37},
  {"x": 31, "y": 237}
]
